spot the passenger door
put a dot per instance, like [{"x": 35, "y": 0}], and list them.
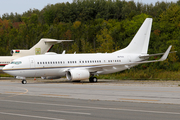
[{"x": 32, "y": 62}]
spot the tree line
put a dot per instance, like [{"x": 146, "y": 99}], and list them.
[{"x": 95, "y": 26}]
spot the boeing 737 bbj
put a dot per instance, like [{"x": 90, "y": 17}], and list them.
[
  {"x": 84, "y": 66},
  {"x": 43, "y": 46}
]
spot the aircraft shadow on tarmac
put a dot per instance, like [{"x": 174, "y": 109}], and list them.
[{"x": 40, "y": 81}]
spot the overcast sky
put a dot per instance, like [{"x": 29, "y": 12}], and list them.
[{"x": 20, "y": 6}]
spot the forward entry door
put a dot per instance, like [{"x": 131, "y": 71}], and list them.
[{"x": 32, "y": 62}]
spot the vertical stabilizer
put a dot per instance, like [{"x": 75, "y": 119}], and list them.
[
  {"x": 140, "y": 42},
  {"x": 43, "y": 46}
]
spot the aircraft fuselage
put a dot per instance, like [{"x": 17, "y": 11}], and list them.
[{"x": 57, "y": 65}]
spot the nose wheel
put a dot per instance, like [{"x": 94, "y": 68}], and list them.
[{"x": 24, "y": 81}]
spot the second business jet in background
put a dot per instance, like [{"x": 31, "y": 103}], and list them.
[
  {"x": 86, "y": 66},
  {"x": 43, "y": 46}
]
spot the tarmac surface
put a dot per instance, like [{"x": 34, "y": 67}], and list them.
[{"x": 105, "y": 100}]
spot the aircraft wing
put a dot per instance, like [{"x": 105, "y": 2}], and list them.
[
  {"x": 151, "y": 55},
  {"x": 98, "y": 69},
  {"x": 164, "y": 57}
]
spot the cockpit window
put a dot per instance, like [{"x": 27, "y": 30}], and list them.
[{"x": 16, "y": 62}]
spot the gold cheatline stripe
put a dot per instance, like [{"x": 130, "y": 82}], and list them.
[{"x": 58, "y": 67}]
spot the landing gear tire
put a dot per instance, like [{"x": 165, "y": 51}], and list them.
[
  {"x": 24, "y": 81},
  {"x": 93, "y": 79}
]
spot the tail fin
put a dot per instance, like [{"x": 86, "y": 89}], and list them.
[
  {"x": 43, "y": 46},
  {"x": 140, "y": 42}
]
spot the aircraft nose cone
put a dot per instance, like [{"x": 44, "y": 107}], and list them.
[
  {"x": 7, "y": 67},
  {"x": 4, "y": 68}
]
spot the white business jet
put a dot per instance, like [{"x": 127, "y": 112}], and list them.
[
  {"x": 43, "y": 46},
  {"x": 84, "y": 66}
]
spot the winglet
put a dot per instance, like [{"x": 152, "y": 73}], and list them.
[{"x": 164, "y": 57}]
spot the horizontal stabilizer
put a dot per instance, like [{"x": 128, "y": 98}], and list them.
[
  {"x": 55, "y": 41},
  {"x": 44, "y": 45}
]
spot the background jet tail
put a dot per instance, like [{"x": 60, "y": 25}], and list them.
[
  {"x": 43, "y": 46},
  {"x": 140, "y": 42}
]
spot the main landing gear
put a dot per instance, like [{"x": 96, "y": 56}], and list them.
[
  {"x": 24, "y": 81},
  {"x": 93, "y": 79}
]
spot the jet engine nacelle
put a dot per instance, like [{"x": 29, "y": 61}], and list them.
[
  {"x": 77, "y": 74},
  {"x": 20, "y": 53},
  {"x": 14, "y": 51}
]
